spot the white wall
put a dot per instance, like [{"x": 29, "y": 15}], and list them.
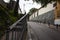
[{"x": 44, "y": 10}]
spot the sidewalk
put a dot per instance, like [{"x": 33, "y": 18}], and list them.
[{"x": 53, "y": 27}]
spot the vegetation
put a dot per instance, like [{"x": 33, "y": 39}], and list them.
[
  {"x": 7, "y": 17},
  {"x": 45, "y": 2},
  {"x": 32, "y": 11}
]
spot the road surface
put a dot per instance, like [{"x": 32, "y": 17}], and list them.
[{"x": 37, "y": 31}]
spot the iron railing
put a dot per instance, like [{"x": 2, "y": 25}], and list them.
[{"x": 17, "y": 31}]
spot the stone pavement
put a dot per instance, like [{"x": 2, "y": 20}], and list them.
[
  {"x": 53, "y": 27},
  {"x": 40, "y": 31}
]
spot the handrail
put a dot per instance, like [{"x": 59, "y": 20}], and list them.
[
  {"x": 13, "y": 28},
  {"x": 13, "y": 25}
]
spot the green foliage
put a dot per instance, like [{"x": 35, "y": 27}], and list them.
[
  {"x": 5, "y": 16},
  {"x": 8, "y": 17},
  {"x": 44, "y": 2},
  {"x": 32, "y": 11}
]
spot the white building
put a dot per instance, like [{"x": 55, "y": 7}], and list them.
[{"x": 42, "y": 11}]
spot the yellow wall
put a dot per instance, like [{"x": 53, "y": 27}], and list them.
[{"x": 57, "y": 11}]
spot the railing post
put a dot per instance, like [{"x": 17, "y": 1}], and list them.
[
  {"x": 12, "y": 35},
  {"x": 25, "y": 28},
  {"x": 7, "y": 34},
  {"x": 15, "y": 35},
  {"x": 13, "y": 32}
]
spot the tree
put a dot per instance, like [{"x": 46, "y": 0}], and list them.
[
  {"x": 32, "y": 11},
  {"x": 45, "y": 2},
  {"x": 16, "y": 8},
  {"x": 9, "y": 14},
  {"x": 6, "y": 16}
]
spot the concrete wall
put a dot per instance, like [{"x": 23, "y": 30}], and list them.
[
  {"x": 43, "y": 10},
  {"x": 48, "y": 17},
  {"x": 44, "y": 15}
]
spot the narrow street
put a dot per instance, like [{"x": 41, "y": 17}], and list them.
[{"x": 37, "y": 31}]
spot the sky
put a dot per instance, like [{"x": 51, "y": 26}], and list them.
[
  {"x": 7, "y": 1},
  {"x": 26, "y": 5}
]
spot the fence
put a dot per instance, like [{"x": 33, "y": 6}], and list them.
[{"x": 17, "y": 31}]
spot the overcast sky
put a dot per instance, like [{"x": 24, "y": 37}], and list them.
[
  {"x": 26, "y": 5},
  {"x": 7, "y": 1}
]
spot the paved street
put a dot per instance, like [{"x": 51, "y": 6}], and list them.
[{"x": 37, "y": 31}]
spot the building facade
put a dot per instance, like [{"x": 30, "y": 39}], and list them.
[
  {"x": 57, "y": 13},
  {"x": 42, "y": 11}
]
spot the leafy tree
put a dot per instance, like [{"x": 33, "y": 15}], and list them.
[
  {"x": 32, "y": 11},
  {"x": 7, "y": 17},
  {"x": 16, "y": 8},
  {"x": 45, "y": 2}
]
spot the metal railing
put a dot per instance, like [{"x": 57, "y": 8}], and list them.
[{"x": 17, "y": 31}]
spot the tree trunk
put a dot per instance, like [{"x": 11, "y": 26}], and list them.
[{"x": 16, "y": 8}]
